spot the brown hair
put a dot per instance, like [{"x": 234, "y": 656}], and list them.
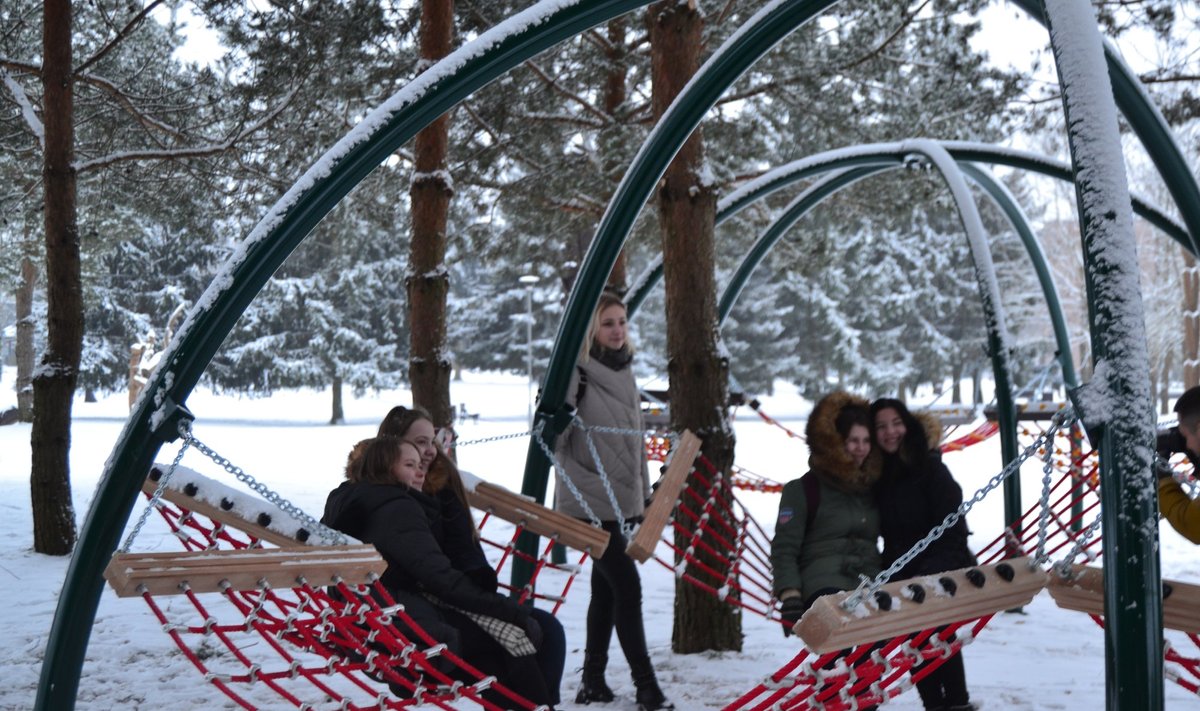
[
  {"x": 371, "y": 460},
  {"x": 607, "y": 298},
  {"x": 442, "y": 470}
]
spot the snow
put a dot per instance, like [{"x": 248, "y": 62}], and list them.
[{"x": 1046, "y": 658}]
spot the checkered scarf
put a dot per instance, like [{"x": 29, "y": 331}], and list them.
[{"x": 511, "y": 637}]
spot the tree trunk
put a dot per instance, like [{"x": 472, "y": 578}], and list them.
[
  {"x": 338, "y": 414},
  {"x": 956, "y": 372},
  {"x": 1164, "y": 384},
  {"x": 1191, "y": 321},
  {"x": 54, "y": 383},
  {"x": 25, "y": 339},
  {"x": 698, "y": 375},
  {"x": 615, "y": 94},
  {"x": 429, "y": 281}
]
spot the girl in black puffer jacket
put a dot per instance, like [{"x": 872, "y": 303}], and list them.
[
  {"x": 381, "y": 503},
  {"x": 915, "y": 494}
]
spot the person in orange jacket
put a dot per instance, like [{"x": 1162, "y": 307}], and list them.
[{"x": 1180, "y": 510}]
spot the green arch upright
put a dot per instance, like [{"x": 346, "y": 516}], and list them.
[
  {"x": 339, "y": 170},
  {"x": 380, "y": 134}
]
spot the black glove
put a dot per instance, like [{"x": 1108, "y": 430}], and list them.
[
  {"x": 484, "y": 577},
  {"x": 791, "y": 610},
  {"x": 533, "y": 631},
  {"x": 1168, "y": 443}
]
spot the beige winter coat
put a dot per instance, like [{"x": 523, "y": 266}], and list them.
[{"x": 610, "y": 399}]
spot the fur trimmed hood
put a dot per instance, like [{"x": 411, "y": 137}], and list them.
[
  {"x": 932, "y": 424},
  {"x": 827, "y": 455}
]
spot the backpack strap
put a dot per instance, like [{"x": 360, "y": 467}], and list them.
[
  {"x": 583, "y": 381},
  {"x": 812, "y": 499}
]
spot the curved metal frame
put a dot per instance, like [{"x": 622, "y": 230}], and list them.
[{"x": 386, "y": 129}]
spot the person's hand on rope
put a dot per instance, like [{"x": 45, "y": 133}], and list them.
[{"x": 791, "y": 610}]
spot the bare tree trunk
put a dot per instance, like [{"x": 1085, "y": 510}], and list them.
[
  {"x": 698, "y": 375},
  {"x": 338, "y": 414},
  {"x": 615, "y": 94},
  {"x": 25, "y": 339},
  {"x": 429, "y": 368},
  {"x": 54, "y": 384},
  {"x": 1191, "y": 321}
]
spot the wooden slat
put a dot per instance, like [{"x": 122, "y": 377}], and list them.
[
  {"x": 244, "y": 569},
  {"x": 1084, "y": 592},
  {"x": 826, "y": 626},
  {"x": 227, "y": 518},
  {"x": 665, "y": 497},
  {"x": 536, "y": 518}
]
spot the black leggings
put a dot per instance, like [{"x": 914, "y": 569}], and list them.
[{"x": 616, "y": 602}]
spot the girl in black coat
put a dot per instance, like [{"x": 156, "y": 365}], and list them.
[
  {"x": 460, "y": 535},
  {"x": 915, "y": 494},
  {"x": 381, "y": 503}
]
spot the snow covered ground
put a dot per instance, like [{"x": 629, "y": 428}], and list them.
[{"x": 1046, "y": 658}]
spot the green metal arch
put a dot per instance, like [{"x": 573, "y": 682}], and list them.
[
  {"x": 964, "y": 152},
  {"x": 383, "y": 131}
]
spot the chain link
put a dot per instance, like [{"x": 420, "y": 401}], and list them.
[
  {"x": 869, "y": 586},
  {"x": 185, "y": 430},
  {"x": 497, "y": 438},
  {"x": 562, "y": 475},
  {"x": 327, "y": 534},
  {"x": 626, "y": 529},
  {"x": 1044, "y": 513}
]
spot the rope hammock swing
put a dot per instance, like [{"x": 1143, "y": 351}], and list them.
[
  {"x": 865, "y": 646},
  {"x": 307, "y": 619},
  {"x": 341, "y": 641}
]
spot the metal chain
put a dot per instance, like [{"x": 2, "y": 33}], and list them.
[
  {"x": 1064, "y": 566},
  {"x": 1044, "y": 512},
  {"x": 186, "y": 431},
  {"x": 315, "y": 526},
  {"x": 626, "y": 529},
  {"x": 562, "y": 475},
  {"x": 869, "y": 586},
  {"x": 497, "y": 438}
]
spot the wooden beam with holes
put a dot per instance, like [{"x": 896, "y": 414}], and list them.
[
  {"x": 536, "y": 518},
  {"x": 230, "y": 518},
  {"x": 130, "y": 574},
  {"x": 920, "y": 603},
  {"x": 1083, "y": 591},
  {"x": 665, "y": 497}
]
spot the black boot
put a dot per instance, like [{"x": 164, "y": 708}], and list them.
[
  {"x": 593, "y": 687},
  {"x": 649, "y": 696}
]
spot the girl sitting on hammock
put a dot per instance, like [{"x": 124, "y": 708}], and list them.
[{"x": 381, "y": 503}]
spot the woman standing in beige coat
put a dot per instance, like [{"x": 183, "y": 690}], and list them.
[{"x": 614, "y": 484}]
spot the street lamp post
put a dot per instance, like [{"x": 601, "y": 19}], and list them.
[{"x": 528, "y": 281}]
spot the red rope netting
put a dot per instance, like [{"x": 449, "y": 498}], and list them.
[
  {"x": 350, "y": 647},
  {"x": 716, "y": 545}
]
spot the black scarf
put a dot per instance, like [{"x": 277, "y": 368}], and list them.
[{"x": 613, "y": 360}]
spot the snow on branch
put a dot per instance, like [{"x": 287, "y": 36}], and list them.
[
  {"x": 189, "y": 152},
  {"x": 27, "y": 111},
  {"x": 120, "y": 36}
]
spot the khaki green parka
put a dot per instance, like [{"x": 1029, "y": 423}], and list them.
[{"x": 842, "y": 543}]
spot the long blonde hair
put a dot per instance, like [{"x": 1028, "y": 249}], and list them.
[{"x": 607, "y": 298}]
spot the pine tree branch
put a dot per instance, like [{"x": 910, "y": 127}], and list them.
[
  {"x": 908, "y": 20},
  {"x": 27, "y": 111},
  {"x": 560, "y": 89},
  {"x": 193, "y": 152},
  {"x": 109, "y": 88},
  {"x": 1168, "y": 79},
  {"x": 120, "y": 36}
]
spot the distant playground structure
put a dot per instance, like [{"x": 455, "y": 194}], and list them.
[{"x": 1114, "y": 407}]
